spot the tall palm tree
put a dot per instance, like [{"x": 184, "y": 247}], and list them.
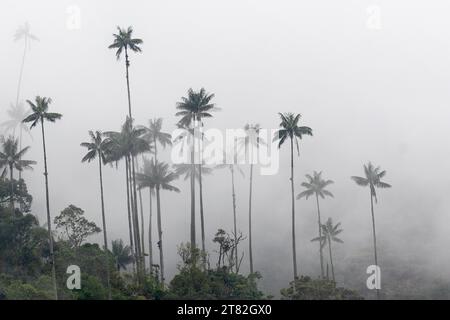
[
  {"x": 10, "y": 158},
  {"x": 161, "y": 177},
  {"x": 122, "y": 254},
  {"x": 40, "y": 114},
  {"x": 329, "y": 234},
  {"x": 128, "y": 143},
  {"x": 154, "y": 135},
  {"x": 199, "y": 172},
  {"x": 290, "y": 129},
  {"x": 251, "y": 141},
  {"x": 193, "y": 108},
  {"x": 145, "y": 181},
  {"x": 372, "y": 179},
  {"x": 118, "y": 150},
  {"x": 23, "y": 33},
  {"x": 97, "y": 148},
  {"x": 123, "y": 42},
  {"x": 315, "y": 186}
]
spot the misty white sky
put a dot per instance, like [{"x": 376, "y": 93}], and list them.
[{"x": 369, "y": 94}]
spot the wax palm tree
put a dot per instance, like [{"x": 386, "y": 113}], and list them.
[
  {"x": 193, "y": 108},
  {"x": 233, "y": 167},
  {"x": 97, "y": 148},
  {"x": 290, "y": 129},
  {"x": 328, "y": 235},
  {"x": 372, "y": 179},
  {"x": 154, "y": 135},
  {"x": 118, "y": 150},
  {"x": 128, "y": 143},
  {"x": 124, "y": 42},
  {"x": 122, "y": 254},
  {"x": 23, "y": 33},
  {"x": 10, "y": 159},
  {"x": 145, "y": 181},
  {"x": 40, "y": 114},
  {"x": 252, "y": 141},
  {"x": 315, "y": 186},
  {"x": 161, "y": 177}
]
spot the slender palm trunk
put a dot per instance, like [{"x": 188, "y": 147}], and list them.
[
  {"x": 49, "y": 220},
  {"x": 127, "y": 65},
  {"x": 250, "y": 249},
  {"x": 193, "y": 240},
  {"x": 133, "y": 176},
  {"x": 161, "y": 256},
  {"x": 331, "y": 258},
  {"x": 150, "y": 241},
  {"x": 320, "y": 236},
  {"x": 11, "y": 196},
  {"x": 234, "y": 220},
  {"x": 202, "y": 217},
  {"x": 142, "y": 224},
  {"x": 138, "y": 237},
  {"x": 105, "y": 237},
  {"x": 200, "y": 184},
  {"x": 20, "y": 148},
  {"x": 130, "y": 219},
  {"x": 294, "y": 250},
  {"x": 136, "y": 218},
  {"x": 19, "y": 84},
  {"x": 374, "y": 237}
]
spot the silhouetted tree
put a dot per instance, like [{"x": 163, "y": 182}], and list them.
[
  {"x": 290, "y": 129},
  {"x": 40, "y": 114},
  {"x": 315, "y": 186},
  {"x": 372, "y": 179}
]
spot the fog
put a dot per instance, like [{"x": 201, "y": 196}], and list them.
[{"x": 371, "y": 91}]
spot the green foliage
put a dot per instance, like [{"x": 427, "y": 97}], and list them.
[
  {"x": 75, "y": 227},
  {"x": 91, "y": 289},
  {"x": 20, "y": 193},
  {"x": 192, "y": 282},
  {"x": 22, "y": 244},
  {"x": 13, "y": 289},
  {"x": 307, "y": 288}
]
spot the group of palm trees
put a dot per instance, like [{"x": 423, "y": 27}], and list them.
[{"x": 132, "y": 143}]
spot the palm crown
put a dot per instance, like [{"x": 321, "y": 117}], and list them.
[
  {"x": 123, "y": 41},
  {"x": 315, "y": 186},
  {"x": 128, "y": 141},
  {"x": 372, "y": 178},
  {"x": 23, "y": 32},
  {"x": 157, "y": 174},
  {"x": 154, "y": 133},
  {"x": 195, "y": 106},
  {"x": 329, "y": 231},
  {"x": 11, "y": 156},
  {"x": 39, "y": 111},
  {"x": 97, "y": 147},
  {"x": 186, "y": 170},
  {"x": 16, "y": 115},
  {"x": 291, "y": 129},
  {"x": 122, "y": 254}
]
